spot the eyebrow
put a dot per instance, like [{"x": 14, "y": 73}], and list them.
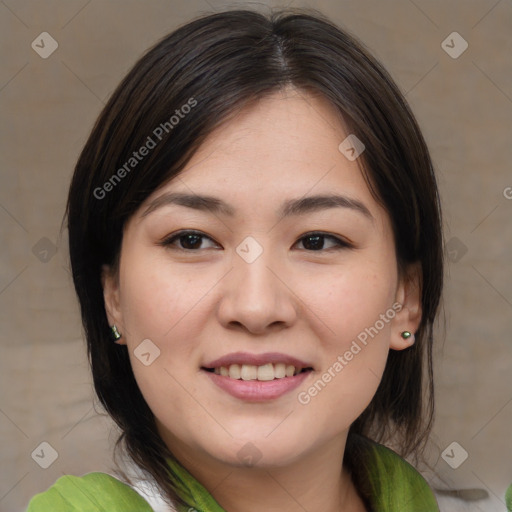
[{"x": 292, "y": 207}]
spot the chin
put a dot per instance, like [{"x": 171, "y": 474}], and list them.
[{"x": 257, "y": 450}]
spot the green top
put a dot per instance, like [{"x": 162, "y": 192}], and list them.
[
  {"x": 391, "y": 485},
  {"x": 508, "y": 498}
]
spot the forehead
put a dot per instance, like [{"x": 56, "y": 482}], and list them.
[
  {"x": 284, "y": 146},
  {"x": 289, "y": 126}
]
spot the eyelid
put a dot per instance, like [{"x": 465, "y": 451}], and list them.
[
  {"x": 340, "y": 241},
  {"x": 169, "y": 239}
]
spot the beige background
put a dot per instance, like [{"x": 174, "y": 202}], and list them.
[{"x": 48, "y": 106}]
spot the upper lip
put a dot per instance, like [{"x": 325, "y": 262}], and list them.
[{"x": 256, "y": 360}]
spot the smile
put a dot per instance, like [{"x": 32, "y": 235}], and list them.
[{"x": 257, "y": 377}]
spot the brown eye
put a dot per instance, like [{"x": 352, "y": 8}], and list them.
[
  {"x": 187, "y": 241},
  {"x": 320, "y": 241},
  {"x": 190, "y": 241}
]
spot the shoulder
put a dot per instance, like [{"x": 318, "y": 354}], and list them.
[
  {"x": 390, "y": 483},
  {"x": 94, "y": 492},
  {"x": 508, "y": 498},
  {"x": 398, "y": 486}
]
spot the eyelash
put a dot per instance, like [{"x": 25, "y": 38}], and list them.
[{"x": 340, "y": 243}]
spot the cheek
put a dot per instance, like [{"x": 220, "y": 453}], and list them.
[
  {"x": 166, "y": 305},
  {"x": 167, "y": 312},
  {"x": 352, "y": 366},
  {"x": 355, "y": 309},
  {"x": 350, "y": 300},
  {"x": 152, "y": 303},
  {"x": 157, "y": 298}
]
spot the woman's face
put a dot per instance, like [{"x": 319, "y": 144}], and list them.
[{"x": 267, "y": 252}]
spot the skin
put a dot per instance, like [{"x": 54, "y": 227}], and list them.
[{"x": 199, "y": 304}]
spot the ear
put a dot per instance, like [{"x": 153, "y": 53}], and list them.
[
  {"x": 110, "y": 284},
  {"x": 408, "y": 318}
]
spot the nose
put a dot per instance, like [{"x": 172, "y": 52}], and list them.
[{"x": 257, "y": 298}]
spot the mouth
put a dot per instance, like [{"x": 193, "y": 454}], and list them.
[
  {"x": 257, "y": 377},
  {"x": 264, "y": 372}
]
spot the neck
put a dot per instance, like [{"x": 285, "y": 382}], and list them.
[{"x": 315, "y": 482}]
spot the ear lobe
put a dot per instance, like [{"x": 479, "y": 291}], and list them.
[
  {"x": 110, "y": 284},
  {"x": 408, "y": 319}
]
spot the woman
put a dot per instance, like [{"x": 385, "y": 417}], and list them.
[{"x": 255, "y": 221}]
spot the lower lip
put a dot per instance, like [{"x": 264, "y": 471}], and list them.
[{"x": 258, "y": 390}]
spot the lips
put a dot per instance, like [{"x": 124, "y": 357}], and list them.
[{"x": 257, "y": 376}]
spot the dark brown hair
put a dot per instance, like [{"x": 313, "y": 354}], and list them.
[{"x": 223, "y": 62}]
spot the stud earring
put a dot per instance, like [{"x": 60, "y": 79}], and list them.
[
  {"x": 116, "y": 335},
  {"x": 406, "y": 335}
]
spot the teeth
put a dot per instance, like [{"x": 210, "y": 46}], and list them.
[
  {"x": 280, "y": 370},
  {"x": 249, "y": 372},
  {"x": 234, "y": 371},
  {"x": 265, "y": 372}
]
